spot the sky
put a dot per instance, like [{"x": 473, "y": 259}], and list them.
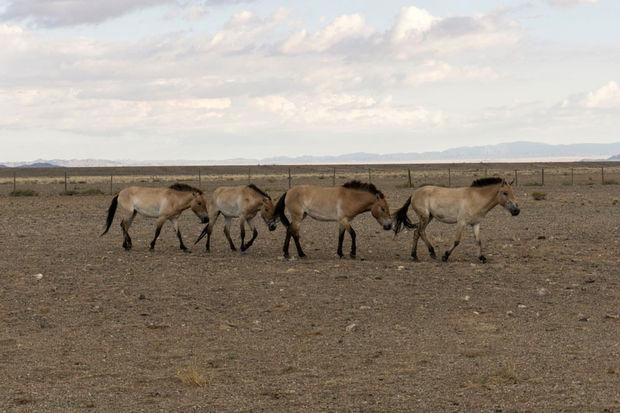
[{"x": 221, "y": 79}]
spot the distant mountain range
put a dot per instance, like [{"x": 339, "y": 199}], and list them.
[{"x": 507, "y": 152}]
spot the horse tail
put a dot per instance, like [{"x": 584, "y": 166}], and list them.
[
  {"x": 280, "y": 206},
  {"x": 111, "y": 212},
  {"x": 401, "y": 219}
]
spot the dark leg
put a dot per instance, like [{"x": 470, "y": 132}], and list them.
[
  {"x": 287, "y": 242},
  {"x": 353, "y": 235},
  {"x": 175, "y": 222},
  {"x": 242, "y": 232},
  {"x": 211, "y": 225},
  {"x": 457, "y": 241},
  {"x": 125, "y": 225},
  {"x": 160, "y": 223},
  {"x": 227, "y": 233},
  {"x": 341, "y": 231},
  {"x": 422, "y": 234},
  {"x": 254, "y": 235},
  {"x": 295, "y": 233}
]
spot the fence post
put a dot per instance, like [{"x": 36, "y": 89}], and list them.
[
  {"x": 249, "y": 175},
  {"x": 65, "y": 181},
  {"x": 602, "y": 176},
  {"x": 542, "y": 176},
  {"x": 486, "y": 172},
  {"x": 14, "y": 181},
  {"x": 516, "y": 178},
  {"x": 334, "y": 178},
  {"x": 289, "y": 178},
  {"x": 199, "y": 178},
  {"x": 449, "y": 178},
  {"x": 369, "y": 176},
  {"x": 409, "y": 174},
  {"x": 111, "y": 184},
  {"x": 572, "y": 176}
]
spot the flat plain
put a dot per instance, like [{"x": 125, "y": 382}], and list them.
[{"x": 536, "y": 329}]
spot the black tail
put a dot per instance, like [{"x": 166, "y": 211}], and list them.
[
  {"x": 111, "y": 212},
  {"x": 280, "y": 210},
  {"x": 401, "y": 219},
  {"x": 204, "y": 232}
]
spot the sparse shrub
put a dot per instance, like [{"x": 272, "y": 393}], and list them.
[
  {"x": 191, "y": 376},
  {"x": 539, "y": 196},
  {"x": 610, "y": 182},
  {"x": 24, "y": 192},
  {"x": 84, "y": 192},
  {"x": 615, "y": 201},
  {"x": 403, "y": 186},
  {"x": 532, "y": 184}
]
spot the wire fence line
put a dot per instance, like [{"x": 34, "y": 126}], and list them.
[{"x": 98, "y": 181}]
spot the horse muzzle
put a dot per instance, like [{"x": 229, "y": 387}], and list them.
[
  {"x": 387, "y": 227},
  {"x": 272, "y": 227},
  {"x": 205, "y": 220},
  {"x": 515, "y": 211}
]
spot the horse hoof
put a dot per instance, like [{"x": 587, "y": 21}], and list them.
[
  {"x": 415, "y": 259},
  {"x": 445, "y": 257},
  {"x": 353, "y": 256},
  {"x": 302, "y": 256},
  {"x": 483, "y": 259},
  {"x": 287, "y": 257},
  {"x": 186, "y": 251}
]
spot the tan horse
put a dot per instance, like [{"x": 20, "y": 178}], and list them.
[
  {"x": 239, "y": 202},
  {"x": 460, "y": 206},
  {"x": 340, "y": 204},
  {"x": 161, "y": 203}
]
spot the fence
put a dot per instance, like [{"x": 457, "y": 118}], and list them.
[{"x": 93, "y": 181}]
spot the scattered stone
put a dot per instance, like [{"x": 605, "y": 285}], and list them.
[
  {"x": 612, "y": 316},
  {"x": 522, "y": 306},
  {"x": 542, "y": 237},
  {"x": 351, "y": 328},
  {"x": 542, "y": 291},
  {"x": 466, "y": 298},
  {"x": 583, "y": 318},
  {"x": 510, "y": 313},
  {"x": 401, "y": 267},
  {"x": 38, "y": 276},
  {"x": 141, "y": 297}
]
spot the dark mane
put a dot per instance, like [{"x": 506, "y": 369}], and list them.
[
  {"x": 260, "y": 191},
  {"x": 184, "y": 188},
  {"x": 363, "y": 186},
  {"x": 487, "y": 181}
]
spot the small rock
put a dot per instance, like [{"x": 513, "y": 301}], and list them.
[
  {"x": 401, "y": 267},
  {"x": 510, "y": 313},
  {"x": 466, "y": 298},
  {"x": 351, "y": 328},
  {"x": 141, "y": 297},
  {"x": 38, "y": 276},
  {"x": 522, "y": 306},
  {"x": 583, "y": 318},
  {"x": 542, "y": 291},
  {"x": 612, "y": 316},
  {"x": 542, "y": 237}
]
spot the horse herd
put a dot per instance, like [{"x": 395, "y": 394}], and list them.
[{"x": 465, "y": 206}]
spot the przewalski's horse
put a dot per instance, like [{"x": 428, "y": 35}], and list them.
[
  {"x": 242, "y": 202},
  {"x": 161, "y": 203},
  {"x": 461, "y": 206},
  {"x": 341, "y": 204}
]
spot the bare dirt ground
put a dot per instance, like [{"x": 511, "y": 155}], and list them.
[{"x": 536, "y": 329}]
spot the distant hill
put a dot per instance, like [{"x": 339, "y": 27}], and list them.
[
  {"x": 615, "y": 158},
  {"x": 503, "y": 152}
]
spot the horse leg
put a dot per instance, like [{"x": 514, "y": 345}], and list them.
[
  {"x": 295, "y": 225},
  {"x": 287, "y": 242},
  {"x": 210, "y": 226},
  {"x": 353, "y": 235},
  {"x": 242, "y": 232},
  {"x": 227, "y": 222},
  {"x": 175, "y": 223},
  {"x": 422, "y": 228},
  {"x": 160, "y": 223},
  {"x": 125, "y": 225},
  {"x": 457, "y": 240},
  {"x": 254, "y": 233},
  {"x": 481, "y": 256},
  {"x": 341, "y": 231}
]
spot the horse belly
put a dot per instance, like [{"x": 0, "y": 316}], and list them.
[{"x": 149, "y": 209}]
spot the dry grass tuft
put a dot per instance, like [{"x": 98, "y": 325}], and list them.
[
  {"x": 24, "y": 192},
  {"x": 539, "y": 196},
  {"x": 191, "y": 377},
  {"x": 505, "y": 376}
]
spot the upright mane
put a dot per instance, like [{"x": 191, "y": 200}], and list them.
[
  {"x": 364, "y": 186},
  {"x": 258, "y": 190},
  {"x": 487, "y": 181},
  {"x": 184, "y": 188}
]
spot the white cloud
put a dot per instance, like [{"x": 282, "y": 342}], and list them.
[
  {"x": 433, "y": 71},
  {"x": 411, "y": 22},
  {"x": 56, "y": 13},
  {"x": 570, "y": 3},
  {"x": 605, "y": 97},
  {"x": 350, "y": 109},
  {"x": 343, "y": 28}
]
